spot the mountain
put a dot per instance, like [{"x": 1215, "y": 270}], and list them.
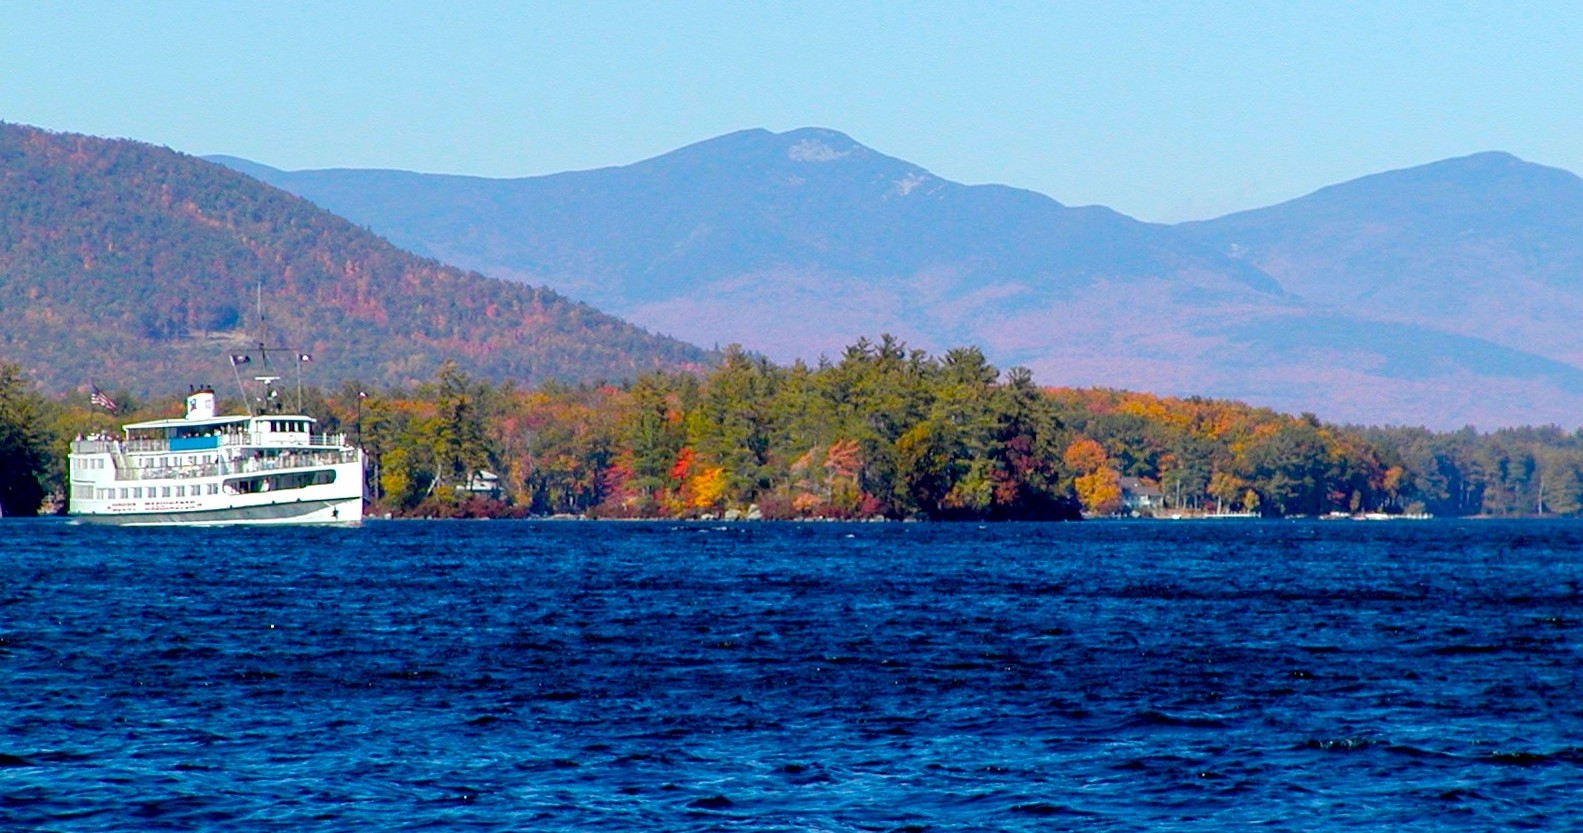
[
  {"x": 1486, "y": 245},
  {"x": 797, "y": 243},
  {"x": 719, "y": 240},
  {"x": 138, "y": 267}
]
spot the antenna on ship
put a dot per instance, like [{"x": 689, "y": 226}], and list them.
[{"x": 239, "y": 359}]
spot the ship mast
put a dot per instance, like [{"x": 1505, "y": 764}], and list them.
[{"x": 270, "y": 397}]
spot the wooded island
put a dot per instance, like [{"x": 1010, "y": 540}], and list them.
[{"x": 883, "y": 431}]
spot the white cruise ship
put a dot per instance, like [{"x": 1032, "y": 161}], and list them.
[{"x": 208, "y": 470}]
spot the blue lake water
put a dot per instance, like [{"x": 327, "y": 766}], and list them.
[{"x": 658, "y": 676}]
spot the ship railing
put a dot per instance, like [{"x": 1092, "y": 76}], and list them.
[
  {"x": 288, "y": 460},
  {"x": 296, "y": 460},
  {"x": 222, "y": 440}
]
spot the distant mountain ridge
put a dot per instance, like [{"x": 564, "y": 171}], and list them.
[
  {"x": 137, "y": 267},
  {"x": 1440, "y": 295},
  {"x": 1485, "y": 245}
]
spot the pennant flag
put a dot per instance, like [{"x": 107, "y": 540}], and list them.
[
  {"x": 304, "y": 357},
  {"x": 236, "y": 360},
  {"x": 102, "y": 399}
]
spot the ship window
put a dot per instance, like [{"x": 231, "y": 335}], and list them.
[
  {"x": 136, "y": 492},
  {"x": 214, "y": 488},
  {"x": 164, "y": 491},
  {"x": 181, "y": 491}
]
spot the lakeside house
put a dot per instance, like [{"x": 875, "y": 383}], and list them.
[{"x": 1139, "y": 496}]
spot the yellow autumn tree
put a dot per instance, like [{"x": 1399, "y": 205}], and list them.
[
  {"x": 1099, "y": 491},
  {"x": 707, "y": 486}
]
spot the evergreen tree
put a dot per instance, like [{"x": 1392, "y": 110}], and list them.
[{"x": 26, "y": 458}]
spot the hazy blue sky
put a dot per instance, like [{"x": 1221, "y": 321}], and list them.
[{"x": 1163, "y": 111}]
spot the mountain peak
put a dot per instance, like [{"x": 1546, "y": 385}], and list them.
[
  {"x": 758, "y": 146},
  {"x": 1483, "y": 159},
  {"x": 820, "y": 146}
]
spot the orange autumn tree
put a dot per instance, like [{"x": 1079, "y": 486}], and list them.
[{"x": 1097, "y": 484}]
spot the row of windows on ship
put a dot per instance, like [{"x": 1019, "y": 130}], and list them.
[
  {"x": 137, "y": 492},
  {"x": 98, "y": 463}
]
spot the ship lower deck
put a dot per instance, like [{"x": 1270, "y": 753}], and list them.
[{"x": 334, "y": 511}]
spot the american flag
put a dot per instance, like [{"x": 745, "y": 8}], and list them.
[{"x": 102, "y": 399}]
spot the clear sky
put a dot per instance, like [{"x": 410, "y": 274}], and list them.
[{"x": 1165, "y": 111}]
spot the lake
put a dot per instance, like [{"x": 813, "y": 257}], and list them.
[{"x": 522, "y": 675}]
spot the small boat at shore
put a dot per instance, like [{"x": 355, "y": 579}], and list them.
[{"x": 205, "y": 469}]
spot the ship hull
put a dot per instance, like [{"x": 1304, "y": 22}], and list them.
[{"x": 337, "y": 512}]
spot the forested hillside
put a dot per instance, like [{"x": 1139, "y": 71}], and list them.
[{"x": 138, "y": 268}]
